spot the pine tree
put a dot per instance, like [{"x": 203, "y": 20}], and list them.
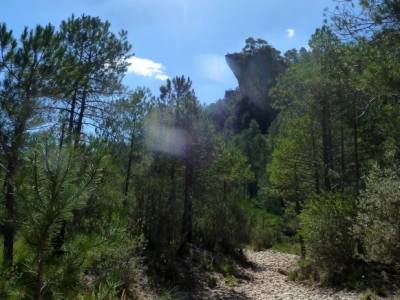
[
  {"x": 29, "y": 69},
  {"x": 53, "y": 194},
  {"x": 97, "y": 60}
]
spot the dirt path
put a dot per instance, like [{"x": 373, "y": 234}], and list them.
[{"x": 265, "y": 281}]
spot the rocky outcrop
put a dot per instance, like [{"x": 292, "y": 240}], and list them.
[
  {"x": 256, "y": 73},
  {"x": 256, "y": 69}
]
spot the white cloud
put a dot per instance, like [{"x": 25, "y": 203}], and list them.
[
  {"x": 214, "y": 67},
  {"x": 146, "y": 67},
  {"x": 290, "y": 32}
]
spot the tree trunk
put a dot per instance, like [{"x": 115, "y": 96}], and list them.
[
  {"x": 39, "y": 280},
  {"x": 326, "y": 143},
  {"x": 79, "y": 125},
  {"x": 302, "y": 247},
  {"x": 342, "y": 158},
  {"x": 298, "y": 209},
  {"x": 315, "y": 162},
  {"x": 62, "y": 136},
  {"x": 59, "y": 239},
  {"x": 9, "y": 224},
  {"x": 73, "y": 103},
  {"x": 9, "y": 188},
  {"x": 171, "y": 203},
  {"x": 128, "y": 172},
  {"x": 355, "y": 144},
  {"x": 188, "y": 200},
  {"x": 72, "y": 114}
]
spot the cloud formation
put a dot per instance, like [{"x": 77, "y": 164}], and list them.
[
  {"x": 290, "y": 32},
  {"x": 147, "y": 68},
  {"x": 213, "y": 67}
]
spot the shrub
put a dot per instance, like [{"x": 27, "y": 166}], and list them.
[
  {"x": 326, "y": 226},
  {"x": 266, "y": 229},
  {"x": 116, "y": 261},
  {"x": 377, "y": 223}
]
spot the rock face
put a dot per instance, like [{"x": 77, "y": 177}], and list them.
[{"x": 256, "y": 72}]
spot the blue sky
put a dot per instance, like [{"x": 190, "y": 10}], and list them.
[{"x": 189, "y": 37}]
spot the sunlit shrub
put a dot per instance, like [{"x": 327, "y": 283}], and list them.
[
  {"x": 326, "y": 226},
  {"x": 377, "y": 224}
]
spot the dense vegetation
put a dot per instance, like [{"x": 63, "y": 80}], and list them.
[{"x": 102, "y": 185}]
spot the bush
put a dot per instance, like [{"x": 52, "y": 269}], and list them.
[
  {"x": 116, "y": 261},
  {"x": 266, "y": 229},
  {"x": 377, "y": 223},
  {"x": 326, "y": 226},
  {"x": 288, "y": 244}
]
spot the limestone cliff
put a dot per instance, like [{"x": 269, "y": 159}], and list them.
[
  {"x": 256, "y": 72},
  {"x": 256, "y": 69}
]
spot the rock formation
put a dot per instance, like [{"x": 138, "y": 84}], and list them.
[{"x": 256, "y": 72}]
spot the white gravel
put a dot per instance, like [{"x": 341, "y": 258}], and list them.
[{"x": 267, "y": 282}]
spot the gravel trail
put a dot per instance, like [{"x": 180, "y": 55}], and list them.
[{"x": 266, "y": 282}]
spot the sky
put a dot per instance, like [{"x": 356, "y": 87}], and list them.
[{"x": 183, "y": 37}]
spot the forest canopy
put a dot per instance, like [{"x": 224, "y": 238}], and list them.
[{"x": 102, "y": 185}]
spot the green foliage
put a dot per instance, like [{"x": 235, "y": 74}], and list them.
[
  {"x": 265, "y": 228},
  {"x": 95, "y": 63},
  {"x": 326, "y": 226},
  {"x": 223, "y": 219},
  {"x": 292, "y": 276},
  {"x": 223, "y": 266},
  {"x": 254, "y": 145},
  {"x": 377, "y": 223},
  {"x": 115, "y": 259},
  {"x": 253, "y": 45},
  {"x": 106, "y": 291},
  {"x": 52, "y": 194},
  {"x": 338, "y": 114},
  {"x": 85, "y": 212},
  {"x": 287, "y": 245}
]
